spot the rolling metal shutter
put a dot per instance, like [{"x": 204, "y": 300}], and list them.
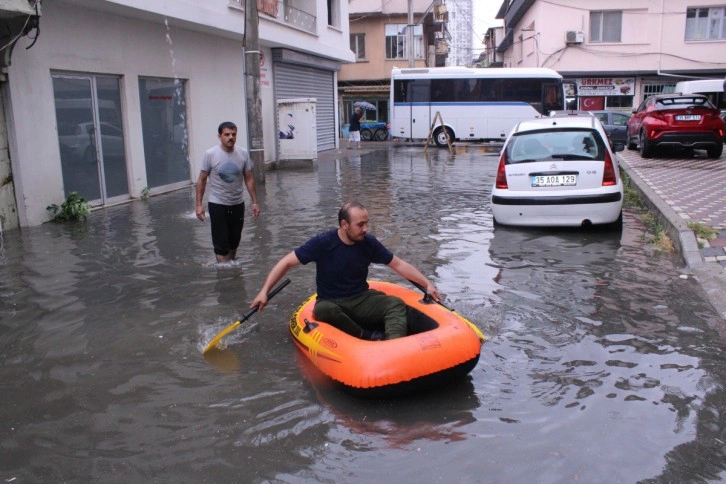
[{"x": 297, "y": 81}]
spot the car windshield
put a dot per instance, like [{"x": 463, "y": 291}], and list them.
[{"x": 561, "y": 144}]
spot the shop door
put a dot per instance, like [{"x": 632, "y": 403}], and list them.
[{"x": 90, "y": 136}]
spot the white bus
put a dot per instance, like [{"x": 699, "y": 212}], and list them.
[
  {"x": 474, "y": 104},
  {"x": 711, "y": 88}
]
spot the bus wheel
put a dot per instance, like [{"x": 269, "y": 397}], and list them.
[
  {"x": 440, "y": 137},
  {"x": 366, "y": 135}
]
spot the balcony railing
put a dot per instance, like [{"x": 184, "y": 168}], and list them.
[{"x": 282, "y": 12}]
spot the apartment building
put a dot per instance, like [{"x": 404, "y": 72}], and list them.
[
  {"x": 616, "y": 52},
  {"x": 119, "y": 98},
  {"x": 460, "y": 32},
  {"x": 380, "y": 38}
]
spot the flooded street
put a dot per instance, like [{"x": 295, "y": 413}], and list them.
[{"x": 602, "y": 363}]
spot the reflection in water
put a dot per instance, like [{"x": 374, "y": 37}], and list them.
[{"x": 601, "y": 360}]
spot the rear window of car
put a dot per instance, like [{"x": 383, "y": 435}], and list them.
[
  {"x": 556, "y": 144},
  {"x": 683, "y": 102}
]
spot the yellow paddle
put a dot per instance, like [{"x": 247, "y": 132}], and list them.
[
  {"x": 428, "y": 298},
  {"x": 245, "y": 317}
]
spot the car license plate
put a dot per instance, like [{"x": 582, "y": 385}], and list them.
[
  {"x": 688, "y": 117},
  {"x": 554, "y": 180}
]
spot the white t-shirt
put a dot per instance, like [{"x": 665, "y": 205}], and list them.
[{"x": 226, "y": 179}]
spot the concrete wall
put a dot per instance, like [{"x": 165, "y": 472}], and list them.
[{"x": 8, "y": 207}]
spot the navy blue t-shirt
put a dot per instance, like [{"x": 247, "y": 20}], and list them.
[{"x": 342, "y": 270}]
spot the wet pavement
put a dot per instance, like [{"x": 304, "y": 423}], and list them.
[
  {"x": 683, "y": 188},
  {"x": 605, "y": 361}
]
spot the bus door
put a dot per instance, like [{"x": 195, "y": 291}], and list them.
[
  {"x": 411, "y": 108},
  {"x": 420, "y": 95}
]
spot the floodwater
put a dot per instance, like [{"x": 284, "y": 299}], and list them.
[{"x": 604, "y": 361}]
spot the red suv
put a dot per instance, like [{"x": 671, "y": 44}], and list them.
[{"x": 679, "y": 120}]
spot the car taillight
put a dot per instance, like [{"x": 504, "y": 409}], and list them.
[
  {"x": 609, "y": 178},
  {"x": 501, "y": 181},
  {"x": 657, "y": 115}
]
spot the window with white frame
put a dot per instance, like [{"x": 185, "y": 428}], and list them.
[
  {"x": 706, "y": 23},
  {"x": 358, "y": 46},
  {"x": 606, "y": 26},
  {"x": 397, "y": 41}
]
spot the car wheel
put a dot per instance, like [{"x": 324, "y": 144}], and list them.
[
  {"x": 440, "y": 137},
  {"x": 629, "y": 142},
  {"x": 380, "y": 135},
  {"x": 715, "y": 152},
  {"x": 366, "y": 135},
  {"x": 644, "y": 147}
]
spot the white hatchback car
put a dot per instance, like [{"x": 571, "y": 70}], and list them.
[{"x": 558, "y": 171}]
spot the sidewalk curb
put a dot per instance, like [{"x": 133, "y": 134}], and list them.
[{"x": 710, "y": 276}]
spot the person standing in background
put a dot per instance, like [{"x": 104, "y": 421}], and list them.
[
  {"x": 354, "y": 128},
  {"x": 229, "y": 170}
]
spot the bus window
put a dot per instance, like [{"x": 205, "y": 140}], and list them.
[
  {"x": 419, "y": 91},
  {"x": 400, "y": 91},
  {"x": 411, "y": 91},
  {"x": 441, "y": 91}
]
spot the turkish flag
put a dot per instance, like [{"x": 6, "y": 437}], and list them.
[{"x": 592, "y": 102}]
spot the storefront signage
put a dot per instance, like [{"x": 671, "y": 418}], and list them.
[{"x": 605, "y": 86}]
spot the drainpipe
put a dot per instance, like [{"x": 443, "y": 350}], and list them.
[{"x": 411, "y": 58}]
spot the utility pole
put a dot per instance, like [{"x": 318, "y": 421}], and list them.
[
  {"x": 251, "y": 48},
  {"x": 411, "y": 59}
]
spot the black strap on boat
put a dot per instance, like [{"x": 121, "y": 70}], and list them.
[
  {"x": 428, "y": 299},
  {"x": 309, "y": 326}
]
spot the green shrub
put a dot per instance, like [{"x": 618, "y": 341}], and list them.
[
  {"x": 75, "y": 207},
  {"x": 703, "y": 231}
]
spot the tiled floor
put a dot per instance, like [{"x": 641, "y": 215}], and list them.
[{"x": 694, "y": 187}]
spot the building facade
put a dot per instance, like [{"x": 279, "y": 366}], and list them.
[
  {"x": 119, "y": 98},
  {"x": 380, "y": 40},
  {"x": 616, "y": 52}
]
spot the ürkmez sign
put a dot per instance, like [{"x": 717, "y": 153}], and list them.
[{"x": 605, "y": 86}]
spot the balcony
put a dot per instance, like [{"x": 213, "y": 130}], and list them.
[{"x": 284, "y": 11}]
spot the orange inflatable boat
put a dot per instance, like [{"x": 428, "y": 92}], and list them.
[{"x": 441, "y": 346}]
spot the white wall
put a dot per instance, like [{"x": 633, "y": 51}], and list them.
[
  {"x": 652, "y": 38},
  {"x": 79, "y": 40}
]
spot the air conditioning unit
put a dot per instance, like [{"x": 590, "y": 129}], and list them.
[{"x": 574, "y": 37}]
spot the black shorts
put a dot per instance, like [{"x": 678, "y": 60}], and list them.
[{"x": 227, "y": 223}]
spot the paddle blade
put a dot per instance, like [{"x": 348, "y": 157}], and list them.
[
  {"x": 245, "y": 317},
  {"x": 221, "y": 335}
]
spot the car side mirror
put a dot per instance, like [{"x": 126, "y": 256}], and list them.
[
  {"x": 634, "y": 110},
  {"x": 617, "y": 147}
]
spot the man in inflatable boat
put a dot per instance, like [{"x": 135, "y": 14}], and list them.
[{"x": 342, "y": 257}]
